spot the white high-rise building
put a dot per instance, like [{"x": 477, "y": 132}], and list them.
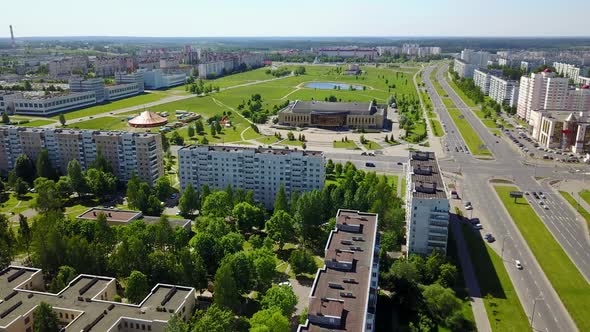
[
  {"x": 463, "y": 69},
  {"x": 261, "y": 170},
  {"x": 503, "y": 91},
  {"x": 541, "y": 91},
  {"x": 481, "y": 78},
  {"x": 479, "y": 59},
  {"x": 427, "y": 205}
]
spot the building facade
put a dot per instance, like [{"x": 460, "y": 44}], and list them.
[
  {"x": 134, "y": 77},
  {"x": 127, "y": 152},
  {"x": 53, "y": 104},
  {"x": 427, "y": 205},
  {"x": 481, "y": 78},
  {"x": 463, "y": 69},
  {"x": 564, "y": 130},
  {"x": 158, "y": 79},
  {"x": 348, "y": 52},
  {"x": 68, "y": 66},
  {"x": 88, "y": 303},
  {"x": 343, "y": 296},
  {"x": 92, "y": 84},
  {"x": 7, "y": 99},
  {"x": 258, "y": 169},
  {"x": 541, "y": 91},
  {"x": 503, "y": 91},
  {"x": 333, "y": 115}
]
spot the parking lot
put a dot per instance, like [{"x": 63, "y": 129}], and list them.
[{"x": 529, "y": 147}]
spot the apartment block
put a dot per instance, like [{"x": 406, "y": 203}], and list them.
[
  {"x": 87, "y": 303},
  {"x": 503, "y": 91},
  {"x": 53, "y": 104},
  {"x": 261, "y": 170},
  {"x": 571, "y": 71},
  {"x": 127, "y": 152},
  {"x": 562, "y": 130},
  {"x": 68, "y": 66},
  {"x": 463, "y": 69},
  {"x": 541, "y": 91},
  {"x": 479, "y": 59},
  {"x": 481, "y": 78},
  {"x": 348, "y": 52},
  {"x": 427, "y": 205},
  {"x": 343, "y": 296}
]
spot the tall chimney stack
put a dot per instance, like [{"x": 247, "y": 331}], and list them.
[{"x": 12, "y": 37}]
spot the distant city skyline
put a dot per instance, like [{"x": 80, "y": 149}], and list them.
[{"x": 265, "y": 18}]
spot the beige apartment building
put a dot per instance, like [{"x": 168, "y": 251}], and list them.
[{"x": 127, "y": 152}]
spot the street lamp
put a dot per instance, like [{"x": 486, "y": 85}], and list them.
[{"x": 538, "y": 298}]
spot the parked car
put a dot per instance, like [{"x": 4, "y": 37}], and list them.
[
  {"x": 477, "y": 226},
  {"x": 474, "y": 221},
  {"x": 369, "y": 164},
  {"x": 518, "y": 264},
  {"x": 285, "y": 283}
]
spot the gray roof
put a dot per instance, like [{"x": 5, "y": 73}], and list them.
[
  {"x": 300, "y": 106},
  {"x": 427, "y": 181}
]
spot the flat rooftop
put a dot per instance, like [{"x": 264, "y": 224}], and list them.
[
  {"x": 326, "y": 108},
  {"x": 426, "y": 178},
  {"x": 81, "y": 298},
  {"x": 113, "y": 215},
  {"x": 236, "y": 149},
  {"x": 77, "y": 131},
  {"x": 344, "y": 293}
]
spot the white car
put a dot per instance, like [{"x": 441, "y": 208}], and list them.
[
  {"x": 518, "y": 264},
  {"x": 285, "y": 283},
  {"x": 477, "y": 226},
  {"x": 545, "y": 207},
  {"x": 468, "y": 207}
]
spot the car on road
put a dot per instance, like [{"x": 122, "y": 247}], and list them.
[
  {"x": 363, "y": 154},
  {"x": 178, "y": 213},
  {"x": 545, "y": 207},
  {"x": 542, "y": 195},
  {"x": 369, "y": 165},
  {"x": 477, "y": 226},
  {"x": 518, "y": 264},
  {"x": 467, "y": 203},
  {"x": 474, "y": 221},
  {"x": 399, "y": 163}
]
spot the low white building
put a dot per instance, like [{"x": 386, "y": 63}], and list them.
[
  {"x": 7, "y": 101},
  {"x": 54, "y": 103},
  {"x": 158, "y": 79},
  {"x": 258, "y": 169},
  {"x": 427, "y": 205}
]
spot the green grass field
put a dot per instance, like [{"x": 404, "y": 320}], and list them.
[
  {"x": 568, "y": 282},
  {"x": 471, "y": 138},
  {"x": 103, "y": 123},
  {"x": 448, "y": 103},
  {"x": 10, "y": 203},
  {"x": 236, "y": 79},
  {"x": 570, "y": 199},
  {"x": 292, "y": 143},
  {"x": 345, "y": 145},
  {"x": 503, "y": 307},
  {"x": 371, "y": 145},
  {"x": 585, "y": 194},
  {"x": 37, "y": 123},
  {"x": 113, "y": 106},
  {"x": 436, "y": 128}
]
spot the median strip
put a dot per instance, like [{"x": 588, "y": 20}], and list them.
[{"x": 568, "y": 282}]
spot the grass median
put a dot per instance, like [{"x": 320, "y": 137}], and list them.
[
  {"x": 471, "y": 138},
  {"x": 570, "y": 199},
  {"x": 503, "y": 307},
  {"x": 568, "y": 282},
  {"x": 436, "y": 128}
]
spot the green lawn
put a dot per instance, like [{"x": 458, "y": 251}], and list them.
[
  {"x": 418, "y": 130},
  {"x": 576, "y": 206},
  {"x": 10, "y": 203},
  {"x": 345, "y": 145},
  {"x": 37, "y": 123},
  {"x": 103, "y": 123},
  {"x": 436, "y": 128},
  {"x": 585, "y": 194},
  {"x": 403, "y": 188},
  {"x": 503, "y": 307},
  {"x": 568, "y": 282},
  {"x": 448, "y": 103},
  {"x": 471, "y": 138},
  {"x": 267, "y": 140},
  {"x": 371, "y": 145},
  {"x": 292, "y": 143},
  {"x": 113, "y": 106}
]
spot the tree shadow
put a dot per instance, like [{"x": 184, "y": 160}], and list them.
[{"x": 304, "y": 280}]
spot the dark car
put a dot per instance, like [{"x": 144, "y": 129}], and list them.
[{"x": 369, "y": 164}]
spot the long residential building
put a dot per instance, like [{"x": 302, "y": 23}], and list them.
[
  {"x": 343, "y": 296},
  {"x": 7, "y": 101},
  {"x": 53, "y": 104},
  {"x": 261, "y": 170},
  {"x": 349, "y": 52},
  {"x": 570, "y": 71},
  {"x": 481, "y": 78},
  {"x": 503, "y": 91},
  {"x": 127, "y": 152},
  {"x": 333, "y": 115},
  {"x": 427, "y": 205},
  {"x": 463, "y": 69},
  {"x": 68, "y": 66},
  {"x": 88, "y": 303}
]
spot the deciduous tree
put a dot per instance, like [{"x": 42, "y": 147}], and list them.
[
  {"x": 137, "y": 287},
  {"x": 269, "y": 320},
  {"x": 281, "y": 297},
  {"x": 45, "y": 318},
  {"x": 281, "y": 228}
]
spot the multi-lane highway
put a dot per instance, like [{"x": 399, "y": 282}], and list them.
[{"x": 530, "y": 283}]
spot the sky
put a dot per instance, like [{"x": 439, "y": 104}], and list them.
[{"x": 248, "y": 18}]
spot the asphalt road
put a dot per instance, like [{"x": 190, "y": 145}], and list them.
[{"x": 530, "y": 282}]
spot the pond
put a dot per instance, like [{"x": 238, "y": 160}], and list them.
[{"x": 332, "y": 86}]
